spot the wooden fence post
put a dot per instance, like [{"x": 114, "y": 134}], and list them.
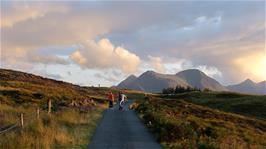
[
  {"x": 38, "y": 112},
  {"x": 49, "y": 106},
  {"x": 21, "y": 120}
]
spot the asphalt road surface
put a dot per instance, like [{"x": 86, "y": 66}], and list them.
[{"x": 122, "y": 130}]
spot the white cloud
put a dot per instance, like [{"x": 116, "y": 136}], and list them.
[
  {"x": 47, "y": 59},
  {"x": 19, "y": 11},
  {"x": 210, "y": 71},
  {"x": 78, "y": 58},
  {"x": 201, "y": 19},
  {"x": 103, "y": 54},
  {"x": 106, "y": 77},
  {"x": 176, "y": 65},
  {"x": 173, "y": 66},
  {"x": 23, "y": 59},
  {"x": 156, "y": 64}
]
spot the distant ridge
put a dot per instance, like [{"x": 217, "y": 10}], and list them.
[
  {"x": 151, "y": 81},
  {"x": 250, "y": 87}
]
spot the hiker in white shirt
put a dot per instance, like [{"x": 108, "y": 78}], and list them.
[{"x": 122, "y": 102}]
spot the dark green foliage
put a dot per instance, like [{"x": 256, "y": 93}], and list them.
[
  {"x": 169, "y": 90},
  {"x": 179, "y": 89},
  {"x": 38, "y": 95},
  {"x": 206, "y": 146}
]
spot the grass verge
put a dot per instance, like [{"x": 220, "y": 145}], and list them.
[{"x": 179, "y": 124}]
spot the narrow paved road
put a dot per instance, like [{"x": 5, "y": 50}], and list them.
[{"x": 122, "y": 130}]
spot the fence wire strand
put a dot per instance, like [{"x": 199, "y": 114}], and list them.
[
  {"x": 8, "y": 129},
  {"x": 27, "y": 118}
]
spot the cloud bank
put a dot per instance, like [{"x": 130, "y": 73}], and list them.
[
  {"x": 224, "y": 39},
  {"x": 103, "y": 54}
]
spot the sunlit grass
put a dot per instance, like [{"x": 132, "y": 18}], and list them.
[{"x": 67, "y": 128}]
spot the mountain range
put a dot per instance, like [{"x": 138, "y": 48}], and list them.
[
  {"x": 150, "y": 81},
  {"x": 154, "y": 82}
]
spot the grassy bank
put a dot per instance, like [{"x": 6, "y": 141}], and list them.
[
  {"x": 248, "y": 105},
  {"x": 67, "y": 128},
  {"x": 179, "y": 124},
  {"x": 76, "y": 111}
]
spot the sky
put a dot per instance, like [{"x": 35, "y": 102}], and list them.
[{"x": 103, "y": 42}]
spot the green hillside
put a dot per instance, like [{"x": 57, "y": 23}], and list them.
[
  {"x": 248, "y": 105},
  {"x": 181, "y": 124}
]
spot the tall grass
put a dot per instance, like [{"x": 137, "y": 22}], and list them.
[{"x": 67, "y": 128}]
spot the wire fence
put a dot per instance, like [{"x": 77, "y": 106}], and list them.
[
  {"x": 24, "y": 121},
  {"x": 26, "y": 118}
]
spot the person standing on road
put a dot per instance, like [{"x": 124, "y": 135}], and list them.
[
  {"x": 119, "y": 96},
  {"x": 122, "y": 102},
  {"x": 111, "y": 99}
]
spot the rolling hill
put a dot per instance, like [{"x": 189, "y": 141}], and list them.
[{"x": 22, "y": 88}]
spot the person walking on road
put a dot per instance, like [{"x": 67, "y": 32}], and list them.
[
  {"x": 111, "y": 99},
  {"x": 122, "y": 101}
]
